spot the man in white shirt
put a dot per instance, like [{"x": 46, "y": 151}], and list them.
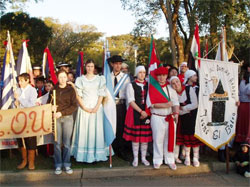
[{"x": 120, "y": 81}]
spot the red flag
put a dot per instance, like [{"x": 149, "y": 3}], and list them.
[
  {"x": 48, "y": 66},
  {"x": 155, "y": 92}
]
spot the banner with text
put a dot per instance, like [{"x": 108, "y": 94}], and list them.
[
  {"x": 25, "y": 122},
  {"x": 217, "y": 111}
]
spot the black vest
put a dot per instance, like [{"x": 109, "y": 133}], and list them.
[{"x": 138, "y": 101}]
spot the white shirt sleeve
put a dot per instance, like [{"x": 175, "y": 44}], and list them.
[
  {"x": 130, "y": 93},
  {"x": 173, "y": 96},
  {"x": 193, "y": 99}
]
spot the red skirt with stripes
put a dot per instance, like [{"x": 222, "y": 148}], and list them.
[
  {"x": 179, "y": 136},
  {"x": 136, "y": 133}
]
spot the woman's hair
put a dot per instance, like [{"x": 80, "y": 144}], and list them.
[
  {"x": 50, "y": 82},
  {"x": 172, "y": 68},
  {"x": 89, "y": 61},
  {"x": 61, "y": 71},
  {"x": 246, "y": 77}
]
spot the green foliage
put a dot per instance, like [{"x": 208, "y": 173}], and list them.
[
  {"x": 68, "y": 39},
  {"x": 22, "y": 27}
]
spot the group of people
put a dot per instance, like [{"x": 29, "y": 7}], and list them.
[{"x": 170, "y": 126}]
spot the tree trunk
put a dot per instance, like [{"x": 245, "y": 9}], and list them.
[
  {"x": 166, "y": 9},
  {"x": 178, "y": 39}
]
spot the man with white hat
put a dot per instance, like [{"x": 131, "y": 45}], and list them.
[
  {"x": 64, "y": 66},
  {"x": 37, "y": 71}
]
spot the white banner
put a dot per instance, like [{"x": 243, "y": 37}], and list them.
[{"x": 217, "y": 111}]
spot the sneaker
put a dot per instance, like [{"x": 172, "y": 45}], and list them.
[
  {"x": 178, "y": 161},
  {"x": 172, "y": 166},
  {"x": 145, "y": 162},
  {"x": 157, "y": 166},
  {"x": 68, "y": 170},
  {"x": 247, "y": 174},
  {"x": 58, "y": 171}
]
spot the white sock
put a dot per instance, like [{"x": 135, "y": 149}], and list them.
[
  {"x": 196, "y": 153},
  {"x": 135, "y": 147},
  {"x": 176, "y": 151}
]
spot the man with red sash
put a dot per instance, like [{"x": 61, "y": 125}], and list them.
[{"x": 163, "y": 119}]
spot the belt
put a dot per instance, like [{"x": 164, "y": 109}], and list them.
[
  {"x": 160, "y": 115},
  {"x": 119, "y": 101}
]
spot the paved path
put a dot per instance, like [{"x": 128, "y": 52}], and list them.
[{"x": 208, "y": 179}]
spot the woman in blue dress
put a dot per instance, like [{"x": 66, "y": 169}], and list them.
[{"x": 88, "y": 143}]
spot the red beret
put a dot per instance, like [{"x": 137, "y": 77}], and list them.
[{"x": 161, "y": 71}]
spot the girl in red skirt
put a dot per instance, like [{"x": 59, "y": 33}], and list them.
[
  {"x": 188, "y": 108},
  {"x": 137, "y": 124},
  {"x": 243, "y": 121}
]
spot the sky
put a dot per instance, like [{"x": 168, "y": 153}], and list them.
[{"x": 107, "y": 16}]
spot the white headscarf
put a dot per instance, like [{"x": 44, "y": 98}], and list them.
[
  {"x": 189, "y": 73},
  {"x": 172, "y": 78},
  {"x": 183, "y": 63},
  {"x": 139, "y": 69}
]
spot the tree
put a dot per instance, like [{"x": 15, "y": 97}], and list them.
[
  {"x": 14, "y": 5},
  {"x": 22, "y": 27},
  {"x": 68, "y": 39},
  {"x": 180, "y": 17}
]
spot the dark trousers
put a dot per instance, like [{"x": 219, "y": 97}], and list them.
[
  {"x": 119, "y": 144},
  {"x": 30, "y": 143}
]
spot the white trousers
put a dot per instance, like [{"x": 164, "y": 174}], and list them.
[{"x": 160, "y": 141}]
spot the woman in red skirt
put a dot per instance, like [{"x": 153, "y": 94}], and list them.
[
  {"x": 243, "y": 121},
  {"x": 137, "y": 124}
]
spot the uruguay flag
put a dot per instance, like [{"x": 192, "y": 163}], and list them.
[
  {"x": 9, "y": 83},
  {"x": 109, "y": 106}
]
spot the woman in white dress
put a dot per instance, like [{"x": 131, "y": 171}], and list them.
[{"x": 88, "y": 143}]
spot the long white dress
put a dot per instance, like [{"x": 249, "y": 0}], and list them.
[{"x": 88, "y": 143}]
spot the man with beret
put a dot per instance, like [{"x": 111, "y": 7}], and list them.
[
  {"x": 162, "y": 123},
  {"x": 120, "y": 81}
]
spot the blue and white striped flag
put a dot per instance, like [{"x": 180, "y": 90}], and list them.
[
  {"x": 9, "y": 75},
  {"x": 109, "y": 105}
]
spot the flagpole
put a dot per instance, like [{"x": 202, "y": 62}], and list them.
[
  {"x": 223, "y": 37},
  {"x": 54, "y": 103}
]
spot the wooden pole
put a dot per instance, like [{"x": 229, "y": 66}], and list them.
[
  {"x": 54, "y": 103},
  {"x": 110, "y": 156},
  {"x": 223, "y": 34}
]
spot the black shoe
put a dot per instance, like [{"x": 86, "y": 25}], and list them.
[{"x": 221, "y": 155}]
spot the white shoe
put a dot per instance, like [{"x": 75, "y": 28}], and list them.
[
  {"x": 178, "y": 161},
  {"x": 247, "y": 174},
  {"x": 172, "y": 166},
  {"x": 135, "y": 162},
  {"x": 145, "y": 162},
  {"x": 196, "y": 162},
  {"x": 157, "y": 166},
  {"x": 187, "y": 162},
  {"x": 58, "y": 171},
  {"x": 68, "y": 170}
]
